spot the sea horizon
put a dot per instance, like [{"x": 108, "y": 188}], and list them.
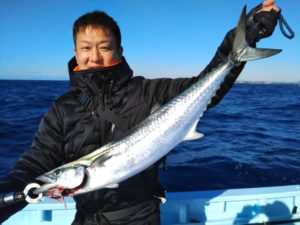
[{"x": 238, "y": 81}]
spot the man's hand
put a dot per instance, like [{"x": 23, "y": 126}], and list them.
[
  {"x": 262, "y": 20},
  {"x": 268, "y": 5}
]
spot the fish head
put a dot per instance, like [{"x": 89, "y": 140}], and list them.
[{"x": 62, "y": 181}]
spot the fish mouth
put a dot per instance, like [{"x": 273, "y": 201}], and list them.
[
  {"x": 53, "y": 190},
  {"x": 47, "y": 179},
  {"x": 49, "y": 182}
]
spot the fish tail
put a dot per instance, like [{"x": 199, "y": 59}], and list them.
[{"x": 241, "y": 51}]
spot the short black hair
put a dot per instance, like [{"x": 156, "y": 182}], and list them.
[{"x": 98, "y": 19}]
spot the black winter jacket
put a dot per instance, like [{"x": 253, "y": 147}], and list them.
[{"x": 101, "y": 105}]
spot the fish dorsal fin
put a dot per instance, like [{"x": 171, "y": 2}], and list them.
[{"x": 193, "y": 134}]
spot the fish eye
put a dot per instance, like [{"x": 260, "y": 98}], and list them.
[{"x": 56, "y": 172}]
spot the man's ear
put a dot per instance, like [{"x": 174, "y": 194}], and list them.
[
  {"x": 120, "y": 50},
  {"x": 75, "y": 53}
]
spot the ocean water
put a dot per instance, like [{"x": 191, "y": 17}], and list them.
[{"x": 251, "y": 139}]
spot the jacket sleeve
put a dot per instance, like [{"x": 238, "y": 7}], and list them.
[
  {"x": 166, "y": 89},
  {"x": 45, "y": 153}
]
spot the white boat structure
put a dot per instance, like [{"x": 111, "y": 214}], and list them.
[{"x": 264, "y": 205}]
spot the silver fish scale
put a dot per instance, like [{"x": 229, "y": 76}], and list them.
[{"x": 158, "y": 134}]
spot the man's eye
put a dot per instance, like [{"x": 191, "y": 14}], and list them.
[
  {"x": 85, "y": 48},
  {"x": 104, "y": 48}
]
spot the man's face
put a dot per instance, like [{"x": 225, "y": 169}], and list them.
[{"x": 96, "y": 48}]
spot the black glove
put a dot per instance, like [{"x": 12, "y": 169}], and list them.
[
  {"x": 8, "y": 185},
  {"x": 260, "y": 25}
]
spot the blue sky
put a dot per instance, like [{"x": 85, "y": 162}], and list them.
[{"x": 161, "y": 38}]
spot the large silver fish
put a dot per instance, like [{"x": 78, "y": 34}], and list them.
[{"x": 153, "y": 138}]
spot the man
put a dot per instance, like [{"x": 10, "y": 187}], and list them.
[{"x": 105, "y": 101}]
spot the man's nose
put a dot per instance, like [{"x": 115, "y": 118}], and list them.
[{"x": 96, "y": 55}]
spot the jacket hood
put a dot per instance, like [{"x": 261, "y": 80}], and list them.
[{"x": 83, "y": 80}]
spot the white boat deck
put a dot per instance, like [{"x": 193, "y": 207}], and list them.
[{"x": 269, "y": 205}]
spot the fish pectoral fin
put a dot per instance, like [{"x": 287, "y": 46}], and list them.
[
  {"x": 89, "y": 159},
  {"x": 101, "y": 159},
  {"x": 111, "y": 186},
  {"x": 96, "y": 154},
  {"x": 193, "y": 134}
]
